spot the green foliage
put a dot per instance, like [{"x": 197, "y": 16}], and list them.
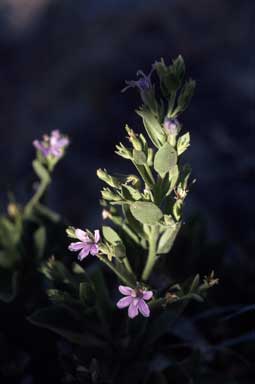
[
  {"x": 168, "y": 237},
  {"x": 110, "y": 235},
  {"x": 183, "y": 143},
  {"x": 146, "y": 209},
  {"x": 146, "y": 212},
  {"x": 139, "y": 157},
  {"x": 152, "y": 127},
  {"x": 185, "y": 96},
  {"x": 165, "y": 159}
]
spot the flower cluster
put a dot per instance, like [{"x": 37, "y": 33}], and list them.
[{"x": 53, "y": 145}]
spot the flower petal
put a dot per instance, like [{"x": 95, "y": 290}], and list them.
[
  {"x": 76, "y": 246},
  {"x": 84, "y": 252},
  {"x": 94, "y": 249},
  {"x": 143, "y": 308},
  {"x": 147, "y": 295},
  {"x": 97, "y": 235},
  {"x": 127, "y": 291},
  {"x": 124, "y": 302},
  {"x": 132, "y": 310},
  {"x": 56, "y": 152},
  {"x": 81, "y": 235}
]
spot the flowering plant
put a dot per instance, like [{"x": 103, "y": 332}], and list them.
[
  {"x": 25, "y": 229},
  {"x": 146, "y": 207},
  {"x": 146, "y": 210}
]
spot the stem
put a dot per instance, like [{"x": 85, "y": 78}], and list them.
[
  {"x": 111, "y": 266},
  {"x": 151, "y": 259},
  {"x": 149, "y": 173},
  {"x": 144, "y": 174},
  {"x": 37, "y": 196},
  {"x": 130, "y": 233},
  {"x": 128, "y": 266}
]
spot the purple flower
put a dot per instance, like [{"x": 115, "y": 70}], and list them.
[
  {"x": 172, "y": 126},
  {"x": 143, "y": 83},
  {"x": 87, "y": 245},
  {"x": 52, "y": 145},
  {"x": 135, "y": 301}
]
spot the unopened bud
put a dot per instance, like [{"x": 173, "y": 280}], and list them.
[
  {"x": 134, "y": 139},
  {"x": 103, "y": 175},
  {"x": 12, "y": 210},
  {"x": 172, "y": 126}
]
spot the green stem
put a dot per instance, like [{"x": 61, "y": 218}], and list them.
[
  {"x": 123, "y": 278},
  {"x": 148, "y": 170},
  {"x": 151, "y": 259},
  {"x": 37, "y": 196},
  {"x": 144, "y": 174},
  {"x": 128, "y": 266},
  {"x": 130, "y": 233}
]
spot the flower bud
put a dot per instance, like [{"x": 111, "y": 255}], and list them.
[
  {"x": 13, "y": 210},
  {"x": 134, "y": 139},
  {"x": 106, "y": 214},
  {"x": 172, "y": 126},
  {"x": 134, "y": 181},
  {"x": 124, "y": 152},
  {"x": 103, "y": 175}
]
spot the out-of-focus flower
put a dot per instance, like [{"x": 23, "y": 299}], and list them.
[
  {"x": 88, "y": 244},
  {"x": 135, "y": 301},
  {"x": 52, "y": 145}
]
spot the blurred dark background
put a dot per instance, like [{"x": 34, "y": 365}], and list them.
[{"x": 62, "y": 66}]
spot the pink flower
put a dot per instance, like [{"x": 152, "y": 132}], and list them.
[
  {"x": 87, "y": 244},
  {"x": 52, "y": 145},
  {"x": 135, "y": 301}
]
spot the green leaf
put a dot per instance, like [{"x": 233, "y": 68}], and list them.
[
  {"x": 9, "y": 258},
  {"x": 40, "y": 242},
  {"x": 58, "y": 297},
  {"x": 86, "y": 293},
  {"x": 136, "y": 226},
  {"x": 170, "y": 77},
  {"x": 186, "y": 95},
  {"x": 184, "y": 176},
  {"x": 119, "y": 250},
  {"x": 177, "y": 209},
  {"x": 8, "y": 285},
  {"x": 195, "y": 283},
  {"x": 47, "y": 213},
  {"x": 183, "y": 143},
  {"x": 146, "y": 212},
  {"x": 131, "y": 193},
  {"x": 196, "y": 297},
  {"x": 104, "y": 303},
  {"x": 65, "y": 322},
  {"x": 167, "y": 239},
  {"x": 110, "y": 235},
  {"x": 9, "y": 233},
  {"x": 139, "y": 157},
  {"x": 165, "y": 159},
  {"x": 152, "y": 126},
  {"x": 173, "y": 177}
]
